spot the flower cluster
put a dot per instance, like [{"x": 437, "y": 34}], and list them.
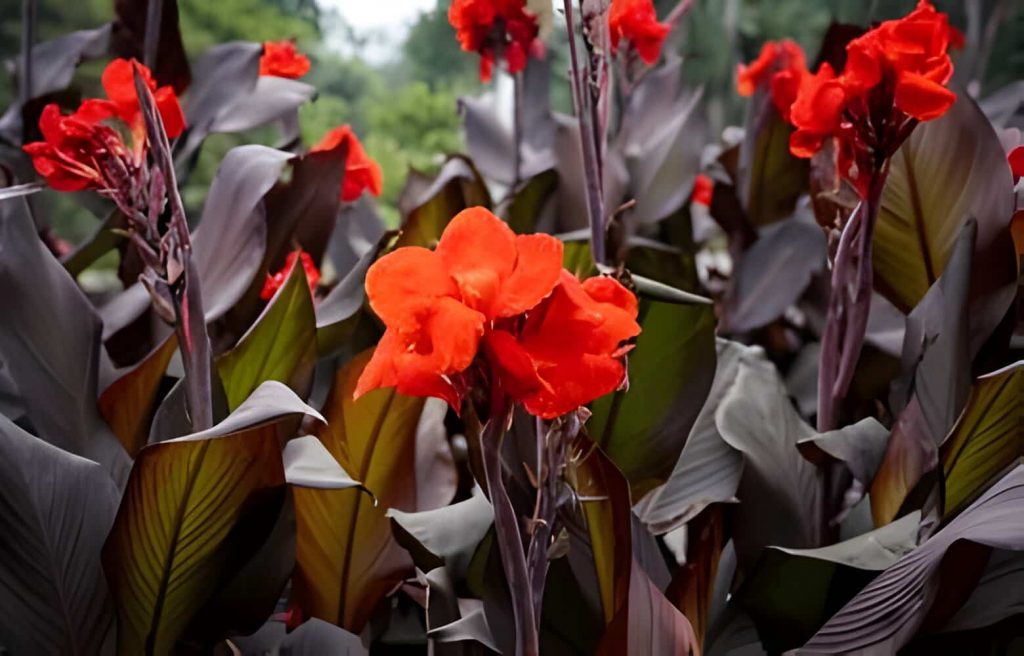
[
  {"x": 781, "y": 68},
  {"x": 491, "y": 308},
  {"x": 84, "y": 150},
  {"x": 894, "y": 77},
  {"x": 281, "y": 59},
  {"x": 361, "y": 171},
  {"x": 635, "y": 21},
  {"x": 703, "y": 190},
  {"x": 275, "y": 281},
  {"x": 493, "y": 28}
]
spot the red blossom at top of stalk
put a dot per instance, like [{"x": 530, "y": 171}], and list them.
[
  {"x": 490, "y": 307},
  {"x": 894, "y": 77},
  {"x": 84, "y": 151},
  {"x": 361, "y": 171},
  {"x": 275, "y": 281},
  {"x": 636, "y": 21},
  {"x": 703, "y": 190},
  {"x": 282, "y": 59},
  {"x": 781, "y": 67},
  {"x": 492, "y": 28}
]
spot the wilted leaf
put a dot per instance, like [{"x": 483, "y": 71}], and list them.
[
  {"x": 987, "y": 439},
  {"x": 127, "y": 404},
  {"x": 57, "y": 509},
  {"x": 280, "y": 346},
  {"x": 886, "y": 614},
  {"x": 456, "y": 187},
  {"x": 196, "y": 509},
  {"x": 347, "y": 557},
  {"x": 50, "y": 344},
  {"x": 948, "y": 171}
]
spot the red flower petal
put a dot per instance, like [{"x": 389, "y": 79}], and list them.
[
  {"x": 479, "y": 252},
  {"x": 538, "y": 266},
  {"x": 921, "y": 98},
  {"x": 399, "y": 284},
  {"x": 281, "y": 59}
]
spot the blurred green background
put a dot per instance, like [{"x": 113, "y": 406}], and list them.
[{"x": 404, "y": 108}]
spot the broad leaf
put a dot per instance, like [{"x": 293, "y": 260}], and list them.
[
  {"x": 445, "y": 537},
  {"x": 55, "y": 511},
  {"x": 195, "y": 511},
  {"x": 50, "y": 344},
  {"x": 313, "y": 638},
  {"x": 792, "y": 592},
  {"x": 886, "y": 614},
  {"x": 270, "y": 99},
  {"x": 936, "y": 363},
  {"x": 347, "y": 558},
  {"x": 643, "y": 429},
  {"x": 708, "y": 470},
  {"x": 949, "y": 170},
  {"x": 429, "y": 205},
  {"x": 694, "y": 588},
  {"x": 308, "y": 463},
  {"x": 127, "y": 404},
  {"x": 280, "y": 346},
  {"x": 128, "y": 40},
  {"x": 770, "y": 178},
  {"x": 987, "y": 439}
]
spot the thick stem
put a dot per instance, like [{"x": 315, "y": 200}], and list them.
[
  {"x": 194, "y": 342},
  {"x": 585, "y": 110},
  {"x": 509, "y": 537},
  {"x": 517, "y": 130},
  {"x": 849, "y": 304},
  {"x": 28, "y": 40},
  {"x": 151, "y": 42}
]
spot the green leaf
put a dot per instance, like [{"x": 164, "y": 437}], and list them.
[
  {"x": 280, "y": 346},
  {"x": 949, "y": 170},
  {"x": 128, "y": 403},
  {"x": 770, "y": 178},
  {"x": 347, "y": 559},
  {"x": 196, "y": 510},
  {"x": 529, "y": 201},
  {"x": 987, "y": 440}
]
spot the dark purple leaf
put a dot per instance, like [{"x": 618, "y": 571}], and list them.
[
  {"x": 129, "y": 33},
  {"x": 57, "y": 509}
]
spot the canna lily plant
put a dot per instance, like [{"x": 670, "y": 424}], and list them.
[{"x": 609, "y": 385}]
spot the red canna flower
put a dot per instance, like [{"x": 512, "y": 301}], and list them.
[
  {"x": 1016, "y": 160},
  {"x": 548, "y": 340},
  {"x": 895, "y": 76},
  {"x": 123, "y": 103},
  {"x": 281, "y": 59},
  {"x": 781, "y": 67},
  {"x": 493, "y": 28},
  {"x": 703, "y": 190},
  {"x": 75, "y": 153},
  {"x": 275, "y": 281},
  {"x": 361, "y": 171},
  {"x": 636, "y": 22}
]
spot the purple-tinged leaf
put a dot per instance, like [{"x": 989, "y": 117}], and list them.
[
  {"x": 128, "y": 40},
  {"x": 56, "y": 511}
]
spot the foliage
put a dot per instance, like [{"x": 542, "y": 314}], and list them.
[{"x": 554, "y": 391}]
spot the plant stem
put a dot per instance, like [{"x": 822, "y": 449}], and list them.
[
  {"x": 28, "y": 40},
  {"x": 151, "y": 40},
  {"x": 509, "y": 537},
  {"x": 586, "y": 109},
  {"x": 849, "y": 304},
  {"x": 517, "y": 130}
]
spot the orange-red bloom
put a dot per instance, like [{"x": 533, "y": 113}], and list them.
[
  {"x": 281, "y": 59},
  {"x": 703, "y": 190},
  {"x": 275, "y": 281},
  {"x": 781, "y": 67},
  {"x": 492, "y": 28},
  {"x": 123, "y": 103},
  {"x": 81, "y": 151},
  {"x": 361, "y": 171},
  {"x": 74, "y": 152},
  {"x": 548, "y": 340},
  {"x": 895, "y": 75},
  {"x": 636, "y": 22}
]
